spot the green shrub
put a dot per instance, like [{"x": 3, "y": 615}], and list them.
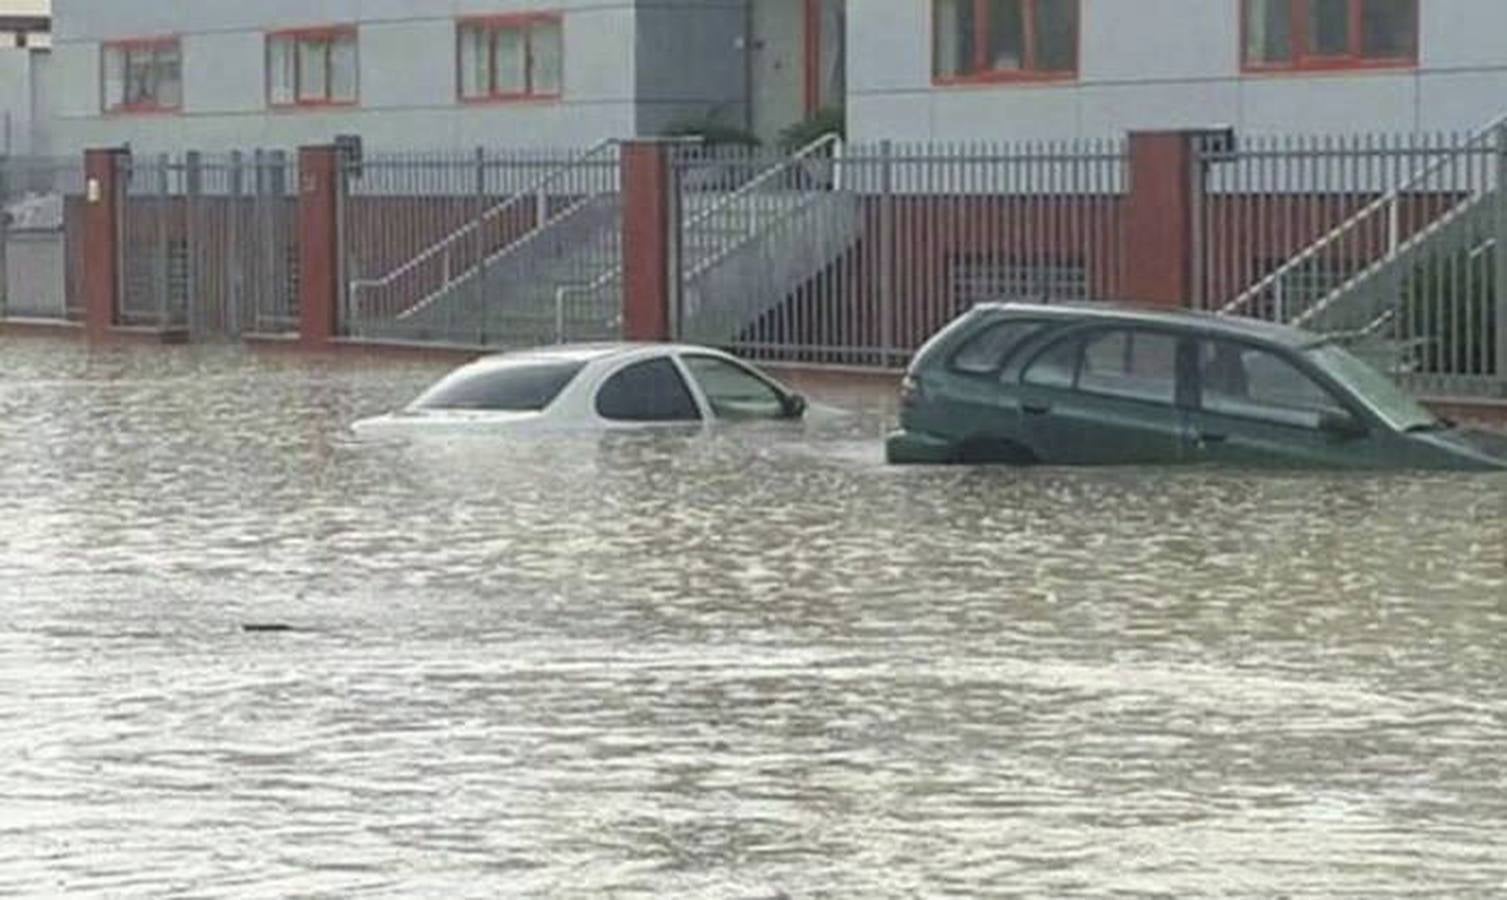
[{"x": 713, "y": 132}]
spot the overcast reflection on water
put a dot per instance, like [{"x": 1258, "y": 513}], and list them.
[{"x": 750, "y": 665}]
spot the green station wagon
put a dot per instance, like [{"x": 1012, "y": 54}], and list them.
[{"x": 1104, "y": 384}]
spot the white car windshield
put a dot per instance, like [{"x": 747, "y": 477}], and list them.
[
  {"x": 1373, "y": 388},
  {"x": 515, "y": 386}
]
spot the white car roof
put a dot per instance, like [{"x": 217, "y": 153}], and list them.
[{"x": 586, "y": 353}]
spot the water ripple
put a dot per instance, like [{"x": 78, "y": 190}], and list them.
[{"x": 245, "y": 655}]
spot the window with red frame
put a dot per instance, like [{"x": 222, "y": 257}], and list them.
[
  {"x": 1330, "y": 34},
  {"x": 142, "y": 76},
  {"x": 511, "y": 58},
  {"x": 1001, "y": 40},
  {"x": 312, "y": 68}
]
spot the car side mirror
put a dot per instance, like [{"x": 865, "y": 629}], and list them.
[
  {"x": 795, "y": 406},
  {"x": 1342, "y": 426}
]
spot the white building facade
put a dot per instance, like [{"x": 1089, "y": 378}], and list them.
[
  {"x": 174, "y": 74},
  {"x": 964, "y": 70},
  {"x": 565, "y": 73}
]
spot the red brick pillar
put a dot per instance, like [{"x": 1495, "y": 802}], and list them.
[
  {"x": 104, "y": 204},
  {"x": 1158, "y": 222},
  {"x": 318, "y": 246},
  {"x": 645, "y": 174}
]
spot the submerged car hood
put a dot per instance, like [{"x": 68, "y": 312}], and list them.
[
  {"x": 438, "y": 420},
  {"x": 1487, "y": 449}
]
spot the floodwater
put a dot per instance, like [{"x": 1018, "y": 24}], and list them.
[{"x": 749, "y": 665}]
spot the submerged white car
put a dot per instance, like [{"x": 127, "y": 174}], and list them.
[{"x": 592, "y": 386}]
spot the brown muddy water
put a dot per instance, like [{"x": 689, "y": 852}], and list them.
[{"x": 242, "y": 654}]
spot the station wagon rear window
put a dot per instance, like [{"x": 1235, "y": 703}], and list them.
[
  {"x": 519, "y": 386},
  {"x": 987, "y": 351}
]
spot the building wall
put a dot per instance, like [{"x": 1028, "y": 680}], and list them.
[
  {"x": 620, "y": 80},
  {"x": 1153, "y": 64},
  {"x": 689, "y": 63},
  {"x": 43, "y": 97},
  {"x": 23, "y": 121}
]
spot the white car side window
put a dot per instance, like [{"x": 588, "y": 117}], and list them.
[
  {"x": 648, "y": 391},
  {"x": 732, "y": 392}
]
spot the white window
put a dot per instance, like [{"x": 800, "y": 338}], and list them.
[
  {"x": 312, "y": 68},
  {"x": 142, "y": 76},
  {"x": 513, "y": 57}
]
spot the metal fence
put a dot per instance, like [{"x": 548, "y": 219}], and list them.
[
  {"x": 855, "y": 255},
  {"x": 41, "y": 250},
  {"x": 485, "y": 247},
  {"x": 209, "y": 243},
  {"x": 1395, "y": 242}
]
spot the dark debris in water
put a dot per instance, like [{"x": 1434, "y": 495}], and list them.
[{"x": 266, "y": 627}]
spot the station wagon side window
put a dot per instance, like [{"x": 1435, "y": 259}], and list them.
[
  {"x": 987, "y": 351},
  {"x": 1245, "y": 381},
  {"x": 649, "y": 391},
  {"x": 1130, "y": 363},
  {"x": 733, "y": 392},
  {"x": 1056, "y": 366}
]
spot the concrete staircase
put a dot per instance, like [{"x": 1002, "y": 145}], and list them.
[
  {"x": 1362, "y": 299},
  {"x": 744, "y": 248},
  {"x": 739, "y": 267},
  {"x": 513, "y": 298},
  {"x": 745, "y": 252},
  {"x": 1425, "y": 303}
]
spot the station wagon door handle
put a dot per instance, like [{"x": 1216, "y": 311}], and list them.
[
  {"x": 1206, "y": 437},
  {"x": 1035, "y": 409}
]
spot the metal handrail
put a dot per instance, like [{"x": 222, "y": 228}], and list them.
[
  {"x": 512, "y": 249},
  {"x": 717, "y": 257},
  {"x": 454, "y": 237},
  {"x": 609, "y": 275},
  {"x": 1393, "y": 225},
  {"x": 1445, "y": 220},
  {"x": 567, "y": 290},
  {"x": 831, "y": 138}
]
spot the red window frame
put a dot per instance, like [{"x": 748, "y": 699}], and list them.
[
  {"x": 139, "y": 44},
  {"x": 492, "y": 25},
  {"x": 1302, "y": 59},
  {"x": 1028, "y": 72},
  {"x": 327, "y": 34}
]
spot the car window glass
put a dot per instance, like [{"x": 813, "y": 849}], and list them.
[
  {"x": 1246, "y": 381},
  {"x": 1139, "y": 365},
  {"x": 1057, "y": 367},
  {"x": 985, "y": 352},
  {"x": 733, "y": 392},
  {"x": 650, "y": 391},
  {"x": 518, "y": 386}
]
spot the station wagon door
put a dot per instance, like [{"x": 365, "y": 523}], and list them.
[
  {"x": 1257, "y": 407},
  {"x": 1108, "y": 397}
]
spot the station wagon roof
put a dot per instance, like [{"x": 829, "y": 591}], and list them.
[{"x": 1210, "y": 323}]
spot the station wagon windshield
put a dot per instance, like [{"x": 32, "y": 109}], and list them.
[
  {"x": 1373, "y": 388},
  {"x": 518, "y": 386}
]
